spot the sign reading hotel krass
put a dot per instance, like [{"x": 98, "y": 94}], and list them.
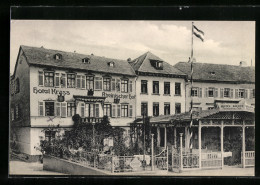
[{"x": 49, "y": 91}]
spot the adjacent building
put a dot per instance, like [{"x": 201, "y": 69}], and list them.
[{"x": 216, "y": 83}]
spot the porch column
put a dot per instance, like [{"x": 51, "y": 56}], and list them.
[
  {"x": 165, "y": 137},
  {"x": 181, "y": 152},
  {"x": 158, "y": 137},
  {"x": 222, "y": 143},
  {"x": 244, "y": 145},
  {"x": 199, "y": 138},
  {"x": 187, "y": 143},
  {"x": 174, "y": 137}
]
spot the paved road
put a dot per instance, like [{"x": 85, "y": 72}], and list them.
[{"x": 18, "y": 167}]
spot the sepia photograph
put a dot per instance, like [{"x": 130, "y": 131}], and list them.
[{"x": 132, "y": 98}]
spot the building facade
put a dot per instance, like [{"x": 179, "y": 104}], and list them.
[
  {"x": 215, "y": 83},
  {"x": 49, "y": 87}
]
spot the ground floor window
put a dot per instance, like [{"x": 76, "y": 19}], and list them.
[
  {"x": 49, "y": 108},
  {"x": 177, "y": 108},
  {"x": 49, "y": 135},
  {"x": 155, "y": 109},
  {"x": 107, "y": 110},
  {"x": 144, "y": 109},
  {"x": 71, "y": 109},
  {"x": 124, "y": 110},
  {"x": 166, "y": 108}
]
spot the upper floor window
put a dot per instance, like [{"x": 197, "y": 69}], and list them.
[
  {"x": 226, "y": 92},
  {"x": 111, "y": 64},
  {"x": 167, "y": 88},
  {"x": 71, "y": 109},
  {"x": 144, "y": 109},
  {"x": 144, "y": 86},
  {"x": 71, "y": 80},
  {"x": 48, "y": 79},
  {"x": 156, "y": 87},
  {"x": 177, "y": 89},
  {"x": 107, "y": 84},
  {"x": 177, "y": 108},
  {"x": 86, "y": 61},
  {"x": 124, "y": 110},
  {"x": 157, "y": 64},
  {"x": 195, "y": 91},
  {"x": 107, "y": 110},
  {"x": 211, "y": 92},
  {"x": 155, "y": 109},
  {"x": 57, "y": 56},
  {"x": 49, "y": 108},
  {"x": 81, "y": 81},
  {"x": 166, "y": 108},
  {"x": 124, "y": 85},
  {"x": 98, "y": 83},
  {"x": 241, "y": 93},
  {"x": 90, "y": 82}
]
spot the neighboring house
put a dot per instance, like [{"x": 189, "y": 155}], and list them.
[
  {"x": 160, "y": 89},
  {"x": 91, "y": 86},
  {"x": 213, "y": 83}
]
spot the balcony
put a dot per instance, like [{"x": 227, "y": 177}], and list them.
[{"x": 91, "y": 119}]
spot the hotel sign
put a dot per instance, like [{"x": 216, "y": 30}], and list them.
[
  {"x": 49, "y": 91},
  {"x": 236, "y": 107}
]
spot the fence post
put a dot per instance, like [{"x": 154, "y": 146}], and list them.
[
  {"x": 112, "y": 164},
  {"x": 167, "y": 160},
  {"x": 181, "y": 152},
  {"x": 152, "y": 153}
]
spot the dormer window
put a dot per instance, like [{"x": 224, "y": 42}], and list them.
[
  {"x": 57, "y": 56},
  {"x": 111, "y": 64},
  {"x": 157, "y": 64},
  {"x": 212, "y": 73},
  {"x": 85, "y": 61}
]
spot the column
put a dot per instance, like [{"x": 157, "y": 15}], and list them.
[
  {"x": 165, "y": 137},
  {"x": 199, "y": 139},
  {"x": 158, "y": 137},
  {"x": 244, "y": 145},
  {"x": 187, "y": 143},
  {"x": 222, "y": 143},
  {"x": 181, "y": 151},
  {"x": 174, "y": 137},
  {"x": 152, "y": 161}
]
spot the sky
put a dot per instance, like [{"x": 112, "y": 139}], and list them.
[{"x": 225, "y": 42}]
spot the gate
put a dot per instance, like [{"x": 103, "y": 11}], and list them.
[{"x": 161, "y": 160}]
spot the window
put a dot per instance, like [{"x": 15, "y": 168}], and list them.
[
  {"x": 211, "y": 92},
  {"x": 130, "y": 86},
  {"x": 17, "y": 111},
  {"x": 90, "y": 82},
  {"x": 71, "y": 109},
  {"x": 111, "y": 64},
  {"x": 124, "y": 86},
  {"x": 253, "y": 93},
  {"x": 58, "y": 107},
  {"x": 241, "y": 93},
  {"x": 57, "y": 56},
  {"x": 118, "y": 110},
  {"x": 124, "y": 110},
  {"x": 57, "y": 79},
  {"x": 71, "y": 81},
  {"x": 107, "y": 83},
  {"x": 107, "y": 110},
  {"x": 82, "y": 110},
  {"x": 48, "y": 79},
  {"x": 130, "y": 111},
  {"x": 167, "y": 108},
  {"x": 12, "y": 114},
  {"x": 64, "y": 109},
  {"x": 155, "y": 109},
  {"x": 166, "y": 87},
  {"x": 155, "y": 87},
  {"x": 226, "y": 92},
  {"x": 17, "y": 86},
  {"x": 96, "y": 110},
  {"x": 113, "y": 84},
  {"x": 144, "y": 109},
  {"x": 40, "y": 78},
  {"x": 81, "y": 82},
  {"x": 41, "y": 113},
  {"x": 63, "y": 80},
  {"x": 177, "y": 108},
  {"x": 113, "y": 110},
  {"x": 177, "y": 89},
  {"x": 49, "y": 135},
  {"x": 49, "y": 108},
  {"x": 85, "y": 61},
  {"x": 194, "y": 91},
  {"x": 144, "y": 86}
]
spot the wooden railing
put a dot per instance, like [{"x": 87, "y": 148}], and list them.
[
  {"x": 92, "y": 119},
  {"x": 211, "y": 160},
  {"x": 249, "y": 158}
]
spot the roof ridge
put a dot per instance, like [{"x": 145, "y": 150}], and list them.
[{"x": 213, "y": 64}]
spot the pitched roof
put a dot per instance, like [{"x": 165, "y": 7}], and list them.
[
  {"x": 222, "y": 72},
  {"x": 45, "y": 57},
  {"x": 143, "y": 64}
]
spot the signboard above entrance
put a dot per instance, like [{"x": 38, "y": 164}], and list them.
[{"x": 236, "y": 107}]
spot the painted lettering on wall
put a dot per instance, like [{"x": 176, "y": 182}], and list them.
[
  {"x": 49, "y": 91},
  {"x": 121, "y": 96}
]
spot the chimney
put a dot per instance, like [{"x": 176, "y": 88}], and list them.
[
  {"x": 129, "y": 60},
  {"x": 242, "y": 64}
]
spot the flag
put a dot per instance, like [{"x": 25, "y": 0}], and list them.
[{"x": 198, "y": 33}]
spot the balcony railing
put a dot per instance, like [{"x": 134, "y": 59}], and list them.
[
  {"x": 249, "y": 158},
  {"x": 91, "y": 119}
]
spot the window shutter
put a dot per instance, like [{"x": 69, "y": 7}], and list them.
[
  {"x": 118, "y": 84},
  {"x": 41, "y": 109},
  {"x": 83, "y": 82},
  {"x": 200, "y": 93},
  {"x": 251, "y": 93},
  {"x": 82, "y": 110},
  {"x": 87, "y": 110},
  {"x": 40, "y": 78},
  {"x": 189, "y": 92},
  {"x": 221, "y": 92},
  {"x": 57, "y": 79},
  {"x": 130, "y": 111},
  {"x": 63, "y": 80},
  {"x": 216, "y": 92},
  {"x": 113, "y": 84},
  {"x": 78, "y": 79},
  {"x": 206, "y": 92},
  {"x": 58, "y": 109},
  {"x": 97, "y": 110},
  {"x": 17, "y": 85},
  {"x": 113, "y": 110},
  {"x": 236, "y": 93},
  {"x": 118, "y": 111},
  {"x": 231, "y": 93},
  {"x": 64, "y": 109},
  {"x": 246, "y": 93},
  {"x": 130, "y": 86}
]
